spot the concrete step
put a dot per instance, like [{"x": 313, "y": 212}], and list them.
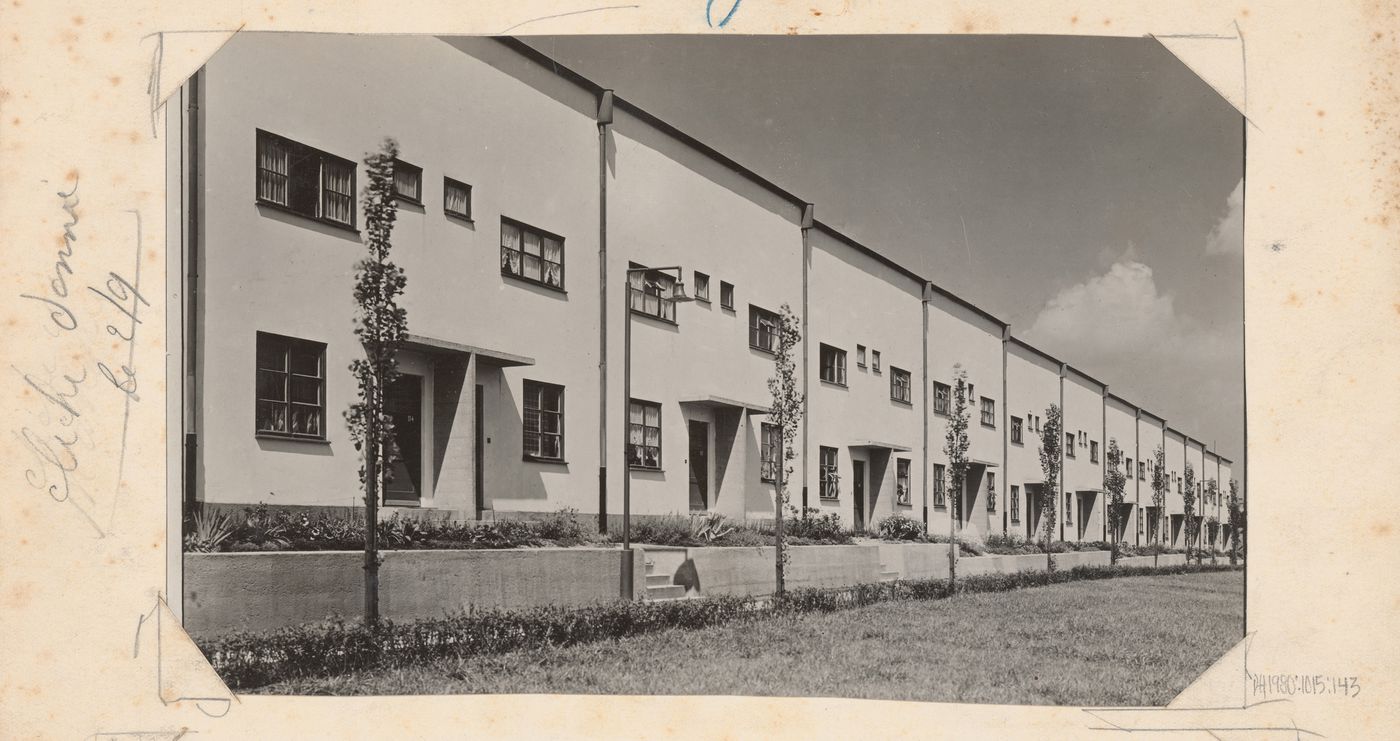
[
  {"x": 658, "y": 580},
  {"x": 670, "y": 591}
]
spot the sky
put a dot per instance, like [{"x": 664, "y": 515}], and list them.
[{"x": 1086, "y": 190}]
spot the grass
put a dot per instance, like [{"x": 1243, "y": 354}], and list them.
[{"x": 1127, "y": 641}]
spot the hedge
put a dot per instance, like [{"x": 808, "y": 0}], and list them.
[{"x": 252, "y": 659}]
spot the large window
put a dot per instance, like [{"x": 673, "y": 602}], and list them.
[
  {"x": 991, "y": 492},
  {"x": 1016, "y": 434},
  {"x": 457, "y": 198},
  {"x": 644, "y": 434},
  {"x": 828, "y": 477},
  {"x": 649, "y": 294},
  {"x": 833, "y": 365},
  {"x": 772, "y": 451},
  {"x": 901, "y": 385},
  {"x": 901, "y": 481},
  {"x": 291, "y": 387},
  {"x": 544, "y": 421},
  {"x": 1069, "y": 444},
  {"x": 1015, "y": 503},
  {"x": 532, "y": 255},
  {"x": 763, "y": 329},
  {"x": 305, "y": 181},
  {"x": 989, "y": 412},
  {"x": 408, "y": 182},
  {"x": 939, "y": 499},
  {"x": 942, "y": 398}
]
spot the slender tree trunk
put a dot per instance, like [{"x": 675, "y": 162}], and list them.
[
  {"x": 372, "y": 478},
  {"x": 778, "y": 514}
]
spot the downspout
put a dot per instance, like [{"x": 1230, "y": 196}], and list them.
[
  {"x": 1060, "y": 495},
  {"x": 1103, "y": 457},
  {"x": 1005, "y": 432},
  {"x": 923, "y": 304},
  {"x": 1137, "y": 489},
  {"x": 605, "y": 118},
  {"x": 808, "y": 221}
]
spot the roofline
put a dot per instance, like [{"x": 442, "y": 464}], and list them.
[
  {"x": 1084, "y": 375},
  {"x": 1036, "y": 350},
  {"x": 1122, "y": 401},
  {"x": 1157, "y": 417},
  {"x": 1223, "y": 459},
  {"x": 832, "y": 232},
  {"x": 974, "y": 308},
  {"x": 544, "y": 60}
]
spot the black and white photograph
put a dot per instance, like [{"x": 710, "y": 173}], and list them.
[{"x": 901, "y": 368}]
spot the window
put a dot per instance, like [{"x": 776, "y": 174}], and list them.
[
  {"x": 901, "y": 481},
  {"x": 408, "y": 182},
  {"x": 305, "y": 181},
  {"x": 1015, "y": 503},
  {"x": 875, "y": 360},
  {"x": 971, "y": 391},
  {"x": 901, "y": 385},
  {"x": 1037, "y": 423},
  {"x": 1069, "y": 510},
  {"x": 940, "y": 500},
  {"x": 1016, "y": 430},
  {"x": 1093, "y": 451},
  {"x": 726, "y": 295},
  {"x": 544, "y": 421},
  {"x": 1142, "y": 475},
  {"x": 991, "y": 492},
  {"x": 942, "y": 395},
  {"x": 457, "y": 198},
  {"x": 1129, "y": 466},
  {"x": 771, "y": 451},
  {"x": 989, "y": 412},
  {"x": 1069, "y": 444},
  {"x": 644, "y": 435},
  {"x": 291, "y": 387},
  {"x": 531, "y": 255},
  {"x": 828, "y": 477},
  {"x": 702, "y": 287},
  {"x": 763, "y": 329},
  {"x": 833, "y": 365},
  {"x": 649, "y": 294}
]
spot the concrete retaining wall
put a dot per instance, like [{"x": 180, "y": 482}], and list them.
[
  {"x": 915, "y": 560},
  {"x": 261, "y": 591},
  {"x": 750, "y": 571},
  {"x": 1165, "y": 559}
]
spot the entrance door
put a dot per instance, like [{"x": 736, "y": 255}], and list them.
[
  {"x": 1032, "y": 510},
  {"x": 479, "y": 465},
  {"x": 403, "y": 401},
  {"x": 699, "y": 465},
  {"x": 858, "y": 492}
]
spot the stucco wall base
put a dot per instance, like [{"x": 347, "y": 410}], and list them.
[
  {"x": 1164, "y": 559},
  {"x": 750, "y": 571}
]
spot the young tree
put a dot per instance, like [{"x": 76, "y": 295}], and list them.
[
  {"x": 1212, "y": 521},
  {"x": 1188, "y": 508},
  {"x": 955, "y": 445},
  {"x": 1050, "y": 460},
  {"x": 786, "y": 413},
  {"x": 1236, "y": 514},
  {"x": 380, "y": 325},
  {"x": 1114, "y": 482},
  {"x": 1160, "y": 484}
]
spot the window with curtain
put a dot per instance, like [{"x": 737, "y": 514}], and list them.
[
  {"x": 833, "y": 365},
  {"x": 1093, "y": 451},
  {"x": 305, "y": 180},
  {"x": 1069, "y": 509},
  {"x": 702, "y": 287},
  {"x": 989, "y": 412},
  {"x": 991, "y": 492},
  {"x": 901, "y": 481},
  {"x": 544, "y": 421},
  {"x": 1016, "y": 434},
  {"x": 828, "y": 479},
  {"x": 940, "y": 499},
  {"x": 875, "y": 360},
  {"x": 942, "y": 397},
  {"x": 1069, "y": 444},
  {"x": 457, "y": 198},
  {"x": 408, "y": 182},
  {"x": 726, "y": 295},
  {"x": 901, "y": 385},
  {"x": 763, "y": 329},
  {"x": 531, "y": 254},
  {"x": 291, "y": 385},
  {"x": 650, "y": 294},
  {"x": 1015, "y": 503},
  {"x": 644, "y": 434},
  {"x": 772, "y": 451}
]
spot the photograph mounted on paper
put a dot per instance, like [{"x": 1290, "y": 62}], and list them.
[{"x": 903, "y": 367}]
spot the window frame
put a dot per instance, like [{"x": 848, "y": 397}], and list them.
[
  {"x": 896, "y": 374},
  {"x": 295, "y": 150},
  {"x": 837, "y": 367},
  {"x": 1015, "y": 496},
  {"x": 1017, "y": 433},
  {"x": 828, "y": 474},
  {"x": 860, "y": 356},
  {"x": 664, "y": 284},
  {"x": 756, "y": 314},
  {"x": 987, "y": 408},
  {"x": 903, "y": 491},
  {"x": 943, "y": 392},
  {"x": 447, "y": 185},
  {"x": 875, "y": 361},
  {"x": 767, "y": 462},
  {"x": 519, "y": 273},
  {"x": 991, "y": 492},
  {"x": 416, "y": 200},
  {"x": 726, "y": 295},
  {"x": 285, "y": 345},
  {"x": 1070, "y": 442},
  {"x": 702, "y": 286},
  {"x": 541, "y": 386},
  {"x": 1069, "y": 508},
  {"x": 643, "y": 404},
  {"x": 940, "y": 487},
  {"x": 1093, "y": 451}
]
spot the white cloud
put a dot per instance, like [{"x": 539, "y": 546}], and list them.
[{"x": 1227, "y": 238}]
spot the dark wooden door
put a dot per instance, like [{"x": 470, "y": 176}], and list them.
[
  {"x": 403, "y": 401},
  {"x": 699, "y": 465},
  {"x": 858, "y": 492}
]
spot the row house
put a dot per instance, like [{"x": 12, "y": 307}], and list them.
[{"x": 593, "y": 298}]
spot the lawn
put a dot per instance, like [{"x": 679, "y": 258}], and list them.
[{"x": 1125, "y": 641}]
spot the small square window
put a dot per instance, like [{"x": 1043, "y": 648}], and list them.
[
  {"x": 457, "y": 198},
  {"x": 726, "y": 295},
  {"x": 860, "y": 356},
  {"x": 408, "y": 182},
  {"x": 702, "y": 287}
]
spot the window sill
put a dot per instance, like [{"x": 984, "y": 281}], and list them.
[
  {"x": 701, "y": 300},
  {"x": 653, "y": 317},
  {"x": 408, "y": 200},
  {"x": 904, "y": 402},
  {"x": 460, "y": 217},
  {"x": 990, "y": 427},
  {"x": 533, "y": 282},
  {"x": 727, "y": 307},
  {"x": 551, "y": 461},
  {"x": 319, "y": 220},
  {"x": 837, "y": 384},
  {"x": 937, "y": 413},
  {"x": 646, "y": 469},
  {"x": 291, "y": 438},
  {"x": 763, "y": 350}
]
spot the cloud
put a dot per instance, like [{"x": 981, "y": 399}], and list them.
[{"x": 1227, "y": 238}]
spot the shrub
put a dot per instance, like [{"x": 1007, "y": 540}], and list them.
[
  {"x": 815, "y": 527},
  {"x": 901, "y": 527},
  {"x": 207, "y": 531}
]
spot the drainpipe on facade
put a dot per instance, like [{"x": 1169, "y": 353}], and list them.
[
  {"x": 1060, "y": 495},
  {"x": 1137, "y": 490},
  {"x": 1005, "y": 431},
  {"x": 808, "y": 221},
  {"x": 605, "y": 116},
  {"x": 928, "y": 290},
  {"x": 1103, "y": 461}
]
